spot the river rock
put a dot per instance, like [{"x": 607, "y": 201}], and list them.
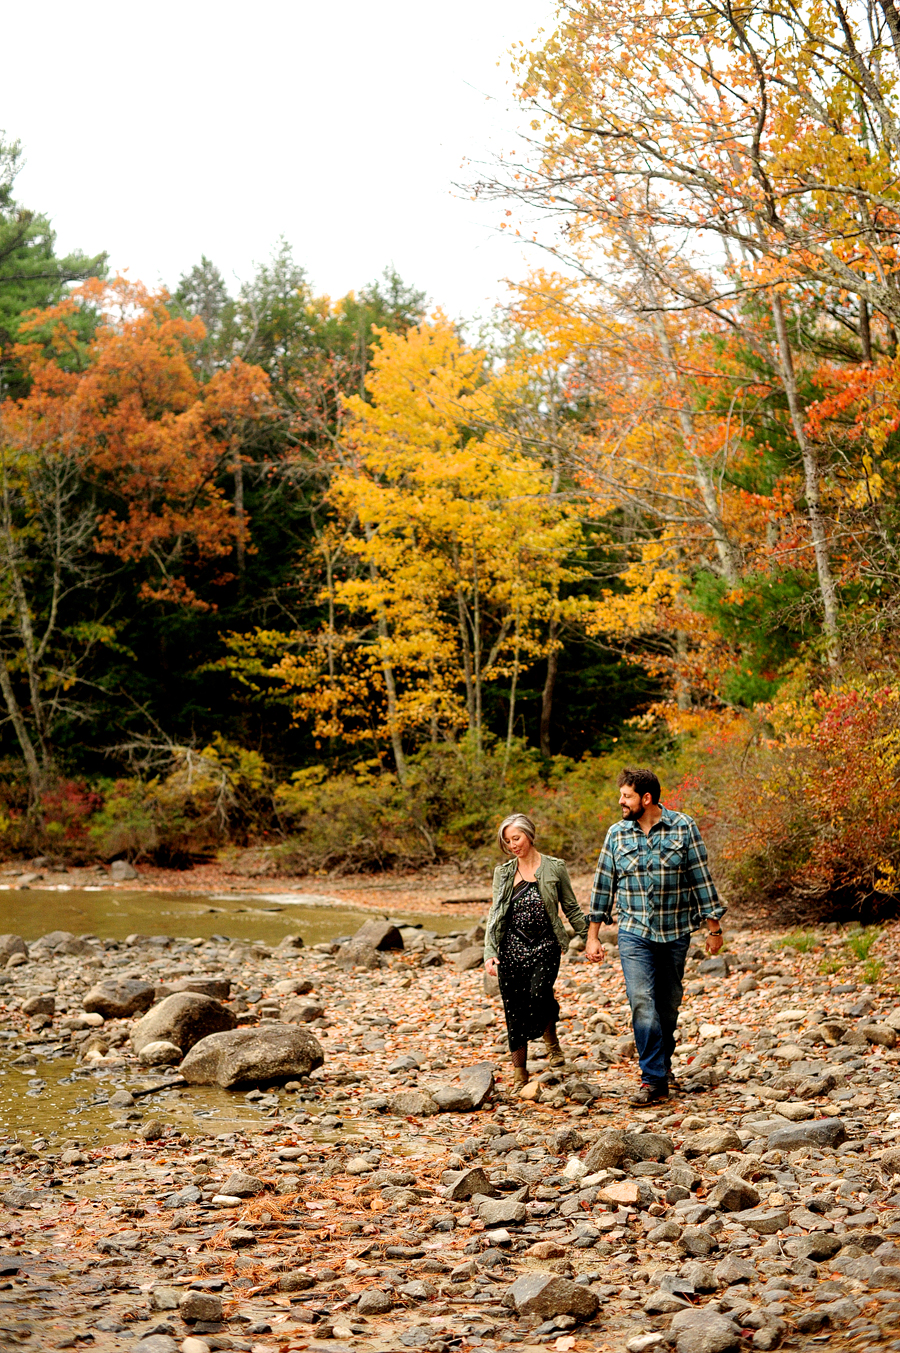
[
  {"x": 183, "y": 1019},
  {"x": 12, "y": 944},
  {"x": 373, "y": 1302},
  {"x": 460, "y": 1185},
  {"x": 453, "y": 1099},
  {"x": 119, "y": 997},
  {"x": 647, "y": 1146},
  {"x": 469, "y": 958},
  {"x": 39, "y": 1005},
  {"x": 120, "y": 871},
  {"x": 607, "y": 1152},
  {"x": 379, "y": 934},
  {"x": 828, "y": 1132},
  {"x": 501, "y": 1212},
  {"x": 160, "y": 1053},
  {"x": 548, "y": 1295},
  {"x": 697, "y": 1242},
  {"x": 701, "y": 1331},
  {"x": 765, "y": 1221},
  {"x": 217, "y": 987},
  {"x": 732, "y": 1194},
  {"x": 200, "y": 1306},
  {"x": 413, "y": 1104},
  {"x": 711, "y": 1142},
  {"x": 818, "y": 1246},
  {"x": 241, "y": 1185},
  {"x": 272, "y": 1052},
  {"x": 358, "y": 954},
  {"x": 301, "y": 1012},
  {"x": 479, "y": 1082},
  {"x": 734, "y": 1270}
]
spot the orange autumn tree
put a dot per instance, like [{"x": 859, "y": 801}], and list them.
[{"x": 118, "y": 450}]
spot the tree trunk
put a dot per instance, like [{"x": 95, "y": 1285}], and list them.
[
  {"x": 512, "y": 701},
  {"x": 549, "y": 684},
  {"x": 476, "y": 649},
  {"x": 811, "y": 474},
  {"x": 240, "y": 517},
  {"x": 16, "y": 718}
]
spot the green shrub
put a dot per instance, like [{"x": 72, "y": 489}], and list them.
[{"x": 803, "y": 941}]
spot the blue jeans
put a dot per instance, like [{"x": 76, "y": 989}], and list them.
[{"x": 653, "y": 983}]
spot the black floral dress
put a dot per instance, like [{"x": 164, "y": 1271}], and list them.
[{"x": 528, "y": 965}]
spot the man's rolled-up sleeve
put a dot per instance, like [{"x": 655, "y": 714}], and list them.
[
  {"x": 705, "y": 894},
  {"x": 604, "y": 890}
]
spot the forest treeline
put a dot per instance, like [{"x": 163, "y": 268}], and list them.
[{"x": 338, "y": 582}]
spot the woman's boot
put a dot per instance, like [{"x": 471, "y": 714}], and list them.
[
  {"x": 520, "y": 1078},
  {"x": 554, "y": 1051}
]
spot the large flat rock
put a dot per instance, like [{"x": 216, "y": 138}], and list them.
[{"x": 119, "y": 998}]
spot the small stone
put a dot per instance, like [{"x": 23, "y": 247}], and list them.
[
  {"x": 642, "y": 1343},
  {"x": 380, "y": 935},
  {"x": 164, "y": 1299},
  {"x": 452, "y": 1099},
  {"x": 711, "y": 1142},
  {"x": 159, "y": 1053},
  {"x": 468, "y": 959},
  {"x": 623, "y": 1193},
  {"x": 667, "y": 1230},
  {"x": 548, "y": 1295},
  {"x": 152, "y": 1130},
  {"x": 766, "y": 1221},
  {"x": 373, "y": 1302},
  {"x": 734, "y": 1270},
  {"x": 607, "y": 1152},
  {"x": 818, "y": 1246},
  {"x": 479, "y": 1082},
  {"x": 194, "y": 1345},
  {"x": 413, "y": 1104},
  {"x": 120, "y": 871},
  {"x": 200, "y": 1306},
  {"x": 882, "y": 1034},
  {"x": 463, "y": 1184},
  {"x": 696, "y": 1241},
  {"x": 732, "y": 1194},
  {"x": 501, "y": 1212},
  {"x": 297, "y": 1281},
  {"x": 301, "y": 1012},
  {"x": 156, "y": 1343},
  {"x": 119, "y": 997},
  {"x": 39, "y": 1005},
  {"x": 241, "y": 1185},
  {"x": 121, "y": 1099},
  {"x": 828, "y": 1132},
  {"x": 12, "y": 944},
  {"x": 703, "y": 1331},
  {"x": 664, "y": 1303}
]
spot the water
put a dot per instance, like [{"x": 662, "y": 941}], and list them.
[
  {"x": 114, "y": 913},
  {"x": 60, "y": 1099}
]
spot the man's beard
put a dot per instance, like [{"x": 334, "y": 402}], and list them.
[{"x": 632, "y": 814}]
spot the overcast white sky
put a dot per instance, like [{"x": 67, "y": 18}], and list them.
[{"x": 160, "y": 132}]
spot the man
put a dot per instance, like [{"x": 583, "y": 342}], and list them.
[{"x": 653, "y": 865}]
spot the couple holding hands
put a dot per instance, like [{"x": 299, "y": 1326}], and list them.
[{"x": 653, "y": 866}]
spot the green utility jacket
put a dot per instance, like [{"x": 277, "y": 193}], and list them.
[{"x": 555, "y": 888}]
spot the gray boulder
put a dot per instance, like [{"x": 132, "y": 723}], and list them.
[
  {"x": 733, "y": 1194},
  {"x": 818, "y": 1246},
  {"x": 607, "y": 1152},
  {"x": 701, "y": 1331},
  {"x": 120, "y": 871},
  {"x": 711, "y": 1142},
  {"x": 300, "y": 1012},
  {"x": 217, "y": 987},
  {"x": 184, "y": 1019},
  {"x": 819, "y": 1132},
  {"x": 414, "y": 1104},
  {"x": 241, "y": 1185},
  {"x": 380, "y": 935},
  {"x": 358, "y": 954},
  {"x": 647, "y": 1146},
  {"x": 469, "y": 958},
  {"x": 39, "y": 1005},
  {"x": 501, "y": 1211},
  {"x": 160, "y": 1053},
  {"x": 119, "y": 997},
  {"x": 459, "y": 1185},
  {"x": 548, "y": 1295},
  {"x": 478, "y": 1081},
  {"x": 765, "y": 1221},
  {"x": 453, "y": 1099},
  {"x": 12, "y": 944},
  {"x": 272, "y": 1052}
]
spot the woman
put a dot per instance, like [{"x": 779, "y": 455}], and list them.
[{"x": 525, "y": 937}]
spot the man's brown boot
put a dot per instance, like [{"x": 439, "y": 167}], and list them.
[
  {"x": 520, "y": 1077},
  {"x": 554, "y": 1052}
]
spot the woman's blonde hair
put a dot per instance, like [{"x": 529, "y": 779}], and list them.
[{"x": 520, "y": 820}]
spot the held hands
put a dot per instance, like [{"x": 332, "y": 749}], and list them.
[
  {"x": 593, "y": 950},
  {"x": 490, "y": 967},
  {"x": 714, "y": 942}
]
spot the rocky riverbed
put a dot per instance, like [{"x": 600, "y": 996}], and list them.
[{"x": 223, "y": 1145}]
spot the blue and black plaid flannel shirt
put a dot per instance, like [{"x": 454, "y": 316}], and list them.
[{"x": 660, "y": 881}]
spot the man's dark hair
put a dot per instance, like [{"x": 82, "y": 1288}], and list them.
[{"x": 642, "y": 781}]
